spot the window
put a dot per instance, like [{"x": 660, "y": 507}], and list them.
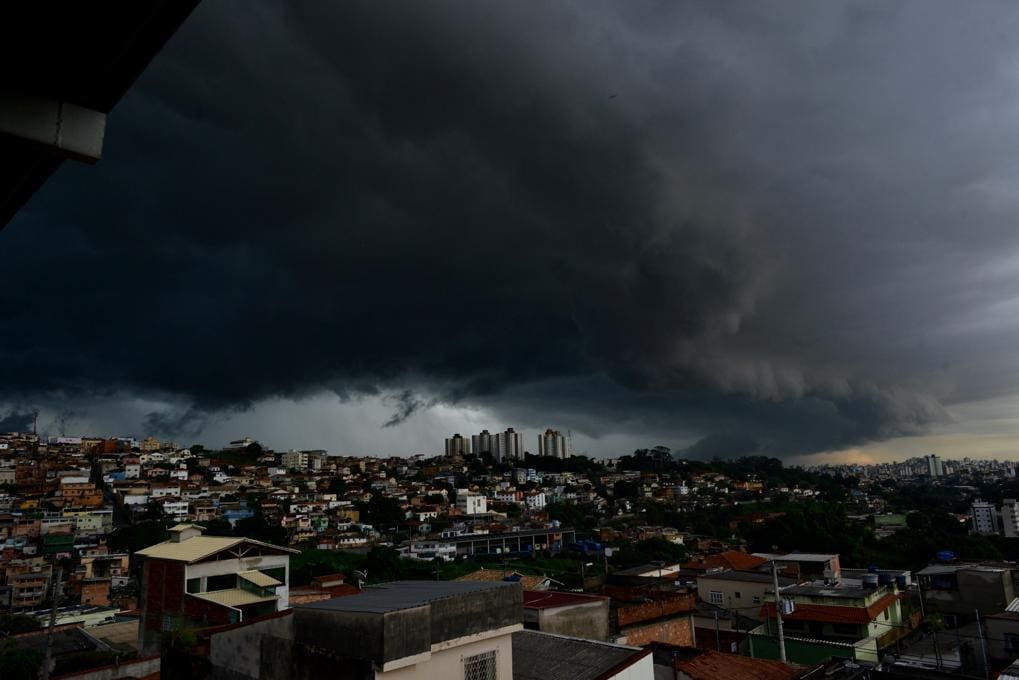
[
  {"x": 715, "y": 597},
  {"x": 480, "y": 666},
  {"x": 221, "y": 582},
  {"x": 194, "y": 585},
  {"x": 757, "y": 599},
  {"x": 736, "y": 594},
  {"x": 1011, "y": 643}
]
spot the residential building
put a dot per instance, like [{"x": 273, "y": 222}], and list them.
[
  {"x": 959, "y": 589},
  {"x": 195, "y": 580},
  {"x": 935, "y": 468},
  {"x": 471, "y": 503},
  {"x": 807, "y": 566},
  {"x": 825, "y": 621},
  {"x": 985, "y": 517},
  {"x": 403, "y": 629},
  {"x": 1010, "y": 517},
  {"x": 552, "y": 443},
  {"x": 457, "y": 446},
  {"x": 739, "y": 589},
  {"x": 483, "y": 442},
  {"x": 509, "y": 445},
  {"x": 1002, "y": 633},
  {"x": 295, "y": 460},
  {"x": 574, "y": 614}
]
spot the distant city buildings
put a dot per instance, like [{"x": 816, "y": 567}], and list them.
[
  {"x": 457, "y": 446},
  {"x": 509, "y": 445},
  {"x": 935, "y": 468},
  {"x": 552, "y": 443},
  {"x": 483, "y": 442}
]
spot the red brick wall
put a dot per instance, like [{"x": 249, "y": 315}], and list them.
[
  {"x": 204, "y": 613},
  {"x": 678, "y": 631},
  {"x": 164, "y": 595},
  {"x": 164, "y": 591},
  {"x": 96, "y": 593},
  {"x": 628, "y": 614}
]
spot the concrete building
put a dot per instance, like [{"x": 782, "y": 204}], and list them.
[
  {"x": 509, "y": 445},
  {"x": 1010, "y": 517},
  {"x": 959, "y": 589},
  {"x": 807, "y": 566},
  {"x": 574, "y": 614},
  {"x": 457, "y": 446},
  {"x": 483, "y": 442},
  {"x": 197, "y": 581},
  {"x": 403, "y": 629},
  {"x": 739, "y": 589},
  {"x": 985, "y": 517},
  {"x": 416, "y": 629},
  {"x": 295, "y": 460},
  {"x": 553, "y": 443},
  {"x": 824, "y": 621},
  {"x": 935, "y": 468},
  {"x": 471, "y": 503}
]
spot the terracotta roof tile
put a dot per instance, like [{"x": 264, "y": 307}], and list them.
[
  {"x": 730, "y": 559},
  {"x": 713, "y": 665}
]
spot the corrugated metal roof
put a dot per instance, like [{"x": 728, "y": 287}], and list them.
[
  {"x": 235, "y": 597},
  {"x": 193, "y": 549},
  {"x": 199, "y": 547},
  {"x": 543, "y": 656},
  {"x": 259, "y": 579}
]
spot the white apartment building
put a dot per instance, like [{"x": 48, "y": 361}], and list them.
[
  {"x": 535, "y": 501},
  {"x": 985, "y": 517},
  {"x": 471, "y": 503}
]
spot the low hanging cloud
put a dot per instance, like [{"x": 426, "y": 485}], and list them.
[
  {"x": 18, "y": 421},
  {"x": 782, "y": 227}
]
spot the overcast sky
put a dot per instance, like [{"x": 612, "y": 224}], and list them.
[{"x": 728, "y": 227}]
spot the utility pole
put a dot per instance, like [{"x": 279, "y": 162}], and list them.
[
  {"x": 778, "y": 611},
  {"x": 44, "y": 670},
  {"x": 718, "y": 642},
  {"x": 983, "y": 645}
]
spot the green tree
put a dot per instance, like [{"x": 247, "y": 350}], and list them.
[
  {"x": 134, "y": 537},
  {"x": 19, "y": 663},
  {"x": 13, "y": 624},
  {"x": 218, "y": 527}
]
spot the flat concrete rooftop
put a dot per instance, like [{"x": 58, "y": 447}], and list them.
[{"x": 397, "y": 595}]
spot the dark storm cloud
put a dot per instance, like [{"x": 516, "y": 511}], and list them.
[
  {"x": 765, "y": 223},
  {"x": 17, "y": 421}
]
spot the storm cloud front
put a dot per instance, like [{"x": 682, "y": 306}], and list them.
[{"x": 780, "y": 228}]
